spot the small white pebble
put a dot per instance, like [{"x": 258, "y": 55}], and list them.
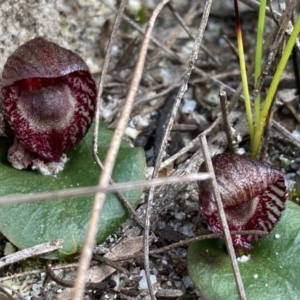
[
  {"x": 255, "y": 276},
  {"x": 57, "y": 272},
  {"x": 164, "y": 262},
  {"x": 187, "y": 281},
  {"x": 115, "y": 49},
  {"x": 187, "y": 230},
  {"x": 143, "y": 282},
  {"x": 188, "y": 106},
  {"x": 131, "y": 132},
  {"x": 296, "y": 134},
  {"x": 179, "y": 216},
  {"x": 134, "y": 6},
  {"x": 116, "y": 279},
  {"x": 241, "y": 151},
  {"x": 277, "y": 236},
  {"x": 244, "y": 258},
  {"x": 178, "y": 284}
]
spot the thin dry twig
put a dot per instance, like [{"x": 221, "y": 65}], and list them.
[
  {"x": 30, "y": 252},
  {"x": 226, "y": 122},
  {"x": 98, "y": 105},
  {"x": 76, "y": 192},
  {"x": 14, "y": 291},
  {"x": 272, "y": 11},
  {"x": 185, "y": 27},
  {"x": 191, "y": 144},
  {"x": 37, "y": 272},
  {"x": 145, "y": 99},
  {"x": 205, "y": 237},
  {"x": 102, "y": 79},
  {"x": 110, "y": 263},
  {"x": 225, "y": 75},
  {"x": 120, "y": 195},
  {"x": 166, "y": 134},
  {"x": 70, "y": 283},
  {"x": 285, "y": 133},
  {"x": 3, "y": 291},
  {"x": 284, "y": 23},
  {"x": 98, "y": 202},
  {"x": 175, "y": 56},
  {"x": 110, "y": 160},
  {"x": 192, "y": 240},
  {"x": 222, "y": 216},
  {"x": 57, "y": 279},
  {"x": 237, "y": 93},
  {"x": 255, "y": 6},
  {"x": 170, "y": 40},
  {"x": 266, "y": 136}
]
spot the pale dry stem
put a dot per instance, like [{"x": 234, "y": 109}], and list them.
[
  {"x": 92, "y": 190},
  {"x": 110, "y": 160},
  {"x": 169, "y": 125},
  {"x": 223, "y": 220},
  {"x": 105, "y": 176}
]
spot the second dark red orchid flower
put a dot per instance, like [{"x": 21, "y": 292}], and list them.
[{"x": 253, "y": 194}]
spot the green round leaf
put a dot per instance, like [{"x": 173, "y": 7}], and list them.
[
  {"x": 29, "y": 224},
  {"x": 272, "y": 272}
]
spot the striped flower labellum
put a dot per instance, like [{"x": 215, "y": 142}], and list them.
[
  {"x": 253, "y": 195},
  {"x": 49, "y": 101}
]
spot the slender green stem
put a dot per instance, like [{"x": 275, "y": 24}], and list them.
[
  {"x": 258, "y": 54},
  {"x": 243, "y": 71},
  {"x": 272, "y": 90}
]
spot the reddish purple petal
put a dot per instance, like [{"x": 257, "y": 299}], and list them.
[
  {"x": 49, "y": 98},
  {"x": 239, "y": 179}
]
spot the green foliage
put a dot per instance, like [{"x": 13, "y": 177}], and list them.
[
  {"x": 273, "y": 88},
  {"x": 29, "y": 224},
  {"x": 244, "y": 78},
  {"x": 258, "y": 54},
  {"x": 271, "y": 273},
  {"x": 142, "y": 14},
  {"x": 261, "y": 114}
]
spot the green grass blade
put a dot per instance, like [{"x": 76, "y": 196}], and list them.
[
  {"x": 258, "y": 54},
  {"x": 244, "y": 73},
  {"x": 272, "y": 90}
]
